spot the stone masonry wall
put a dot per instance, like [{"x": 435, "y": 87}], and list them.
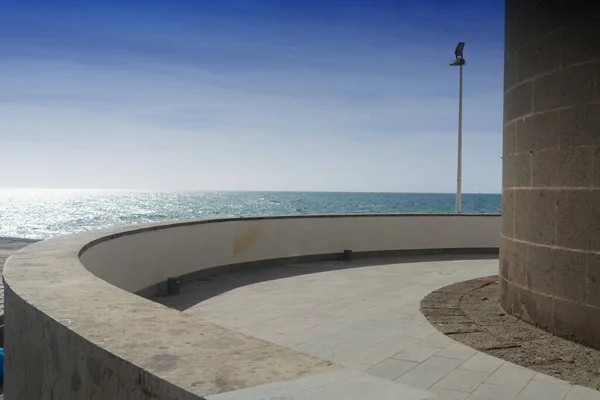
[{"x": 550, "y": 249}]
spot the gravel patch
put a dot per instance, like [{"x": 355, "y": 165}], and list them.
[{"x": 469, "y": 312}]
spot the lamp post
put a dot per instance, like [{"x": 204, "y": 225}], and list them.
[{"x": 459, "y": 62}]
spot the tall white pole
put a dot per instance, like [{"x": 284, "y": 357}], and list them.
[{"x": 459, "y": 172}]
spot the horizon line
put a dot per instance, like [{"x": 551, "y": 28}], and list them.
[{"x": 239, "y": 191}]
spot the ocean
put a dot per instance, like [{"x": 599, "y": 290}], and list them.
[{"x": 44, "y": 213}]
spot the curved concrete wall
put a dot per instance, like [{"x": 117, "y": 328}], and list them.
[
  {"x": 136, "y": 261},
  {"x": 72, "y": 334},
  {"x": 550, "y": 266}
]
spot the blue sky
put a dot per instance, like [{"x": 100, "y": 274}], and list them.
[{"x": 249, "y": 94}]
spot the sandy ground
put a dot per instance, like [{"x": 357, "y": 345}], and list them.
[
  {"x": 7, "y": 247},
  {"x": 469, "y": 312}
]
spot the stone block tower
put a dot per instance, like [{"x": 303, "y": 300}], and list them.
[{"x": 550, "y": 249}]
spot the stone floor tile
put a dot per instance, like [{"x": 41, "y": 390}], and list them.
[
  {"x": 352, "y": 318},
  {"x": 281, "y": 339},
  {"x": 319, "y": 344},
  {"x": 486, "y": 391},
  {"x": 317, "y": 319},
  {"x": 582, "y": 393},
  {"x": 429, "y": 372},
  {"x": 386, "y": 316},
  {"x": 462, "y": 380},
  {"x": 437, "y": 339},
  {"x": 391, "y": 369},
  {"x": 355, "y": 345},
  {"x": 415, "y": 329},
  {"x": 255, "y": 329},
  {"x": 457, "y": 350},
  {"x": 448, "y": 393},
  {"x": 356, "y": 366},
  {"x": 508, "y": 375},
  {"x": 292, "y": 328},
  {"x": 376, "y": 354},
  {"x": 541, "y": 390},
  {"x": 360, "y": 389},
  {"x": 482, "y": 362},
  {"x": 539, "y": 377},
  {"x": 282, "y": 388},
  {"x": 416, "y": 353}
]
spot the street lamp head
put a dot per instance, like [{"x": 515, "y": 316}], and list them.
[
  {"x": 459, "y": 50},
  {"x": 459, "y": 61}
]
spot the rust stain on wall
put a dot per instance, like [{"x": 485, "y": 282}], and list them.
[{"x": 245, "y": 237}]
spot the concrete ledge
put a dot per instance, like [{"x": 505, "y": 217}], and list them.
[{"x": 74, "y": 328}]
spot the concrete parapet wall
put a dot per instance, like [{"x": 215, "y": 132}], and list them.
[
  {"x": 136, "y": 261},
  {"x": 75, "y": 330}
]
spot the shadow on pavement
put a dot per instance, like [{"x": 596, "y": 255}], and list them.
[{"x": 193, "y": 293}]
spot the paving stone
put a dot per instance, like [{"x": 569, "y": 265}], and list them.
[
  {"x": 549, "y": 379},
  {"x": 391, "y": 368},
  {"x": 582, "y": 393},
  {"x": 438, "y": 340},
  {"x": 458, "y": 351},
  {"x": 462, "y": 380},
  {"x": 449, "y": 394},
  {"x": 537, "y": 390},
  {"x": 482, "y": 362},
  {"x": 511, "y": 376},
  {"x": 487, "y": 391},
  {"x": 429, "y": 372},
  {"x": 416, "y": 352},
  {"x": 341, "y": 384}
]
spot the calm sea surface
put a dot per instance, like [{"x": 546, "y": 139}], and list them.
[{"x": 40, "y": 214}]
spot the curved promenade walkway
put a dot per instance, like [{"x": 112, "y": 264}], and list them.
[{"x": 365, "y": 316}]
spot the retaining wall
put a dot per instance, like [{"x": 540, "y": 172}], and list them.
[{"x": 74, "y": 329}]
